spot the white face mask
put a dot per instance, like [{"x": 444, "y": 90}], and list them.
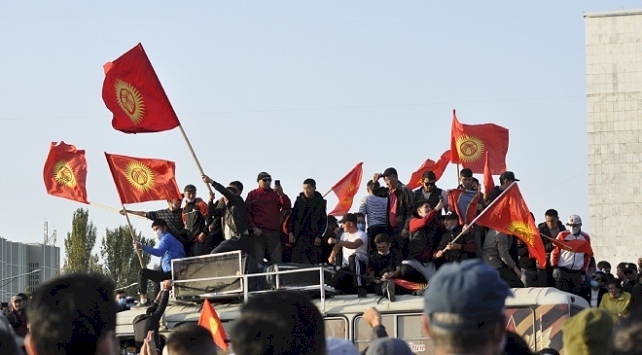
[
  {"x": 189, "y": 200},
  {"x": 575, "y": 230},
  {"x": 159, "y": 233}
]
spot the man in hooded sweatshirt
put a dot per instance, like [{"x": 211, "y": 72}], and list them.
[{"x": 307, "y": 225}]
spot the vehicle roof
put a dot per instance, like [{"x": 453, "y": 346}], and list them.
[{"x": 351, "y": 304}]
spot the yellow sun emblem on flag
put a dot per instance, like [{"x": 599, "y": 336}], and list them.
[
  {"x": 140, "y": 176},
  {"x": 469, "y": 148},
  {"x": 346, "y": 201},
  {"x": 522, "y": 230},
  {"x": 63, "y": 174},
  {"x": 130, "y": 100},
  {"x": 350, "y": 187},
  {"x": 213, "y": 326}
]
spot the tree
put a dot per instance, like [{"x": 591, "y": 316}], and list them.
[
  {"x": 120, "y": 261},
  {"x": 79, "y": 244}
]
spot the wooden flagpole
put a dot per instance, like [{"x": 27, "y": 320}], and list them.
[
  {"x": 111, "y": 209},
  {"x": 327, "y": 193},
  {"x": 131, "y": 231},
  {"x": 191, "y": 150}
]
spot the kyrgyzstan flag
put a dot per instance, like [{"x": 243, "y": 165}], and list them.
[
  {"x": 509, "y": 214},
  {"x": 468, "y": 143},
  {"x": 210, "y": 321},
  {"x": 141, "y": 179},
  {"x": 65, "y": 172},
  {"x": 489, "y": 184},
  {"x": 575, "y": 246},
  {"x": 346, "y": 189},
  {"x": 464, "y": 203},
  {"x": 133, "y": 93},
  {"x": 409, "y": 285},
  {"x": 429, "y": 165}
]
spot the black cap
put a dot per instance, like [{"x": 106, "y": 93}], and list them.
[
  {"x": 349, "y": 217},
  {"x": 191, "y": 188},
  {"x": 466, "y": 173},
  {"x": 451, "y": 215},
  {"x": 508, "y": 175},
  {"x": 263, "y": 175},
  {"x": 389, "y": 171}
]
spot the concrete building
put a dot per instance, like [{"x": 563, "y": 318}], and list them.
[
  {"x": 614, "y": 104},
  {"x": 18, "y": 259}
]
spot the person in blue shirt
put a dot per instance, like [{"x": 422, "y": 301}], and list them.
[{"x": 169, "y": 248}]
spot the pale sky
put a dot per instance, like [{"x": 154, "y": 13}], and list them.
[{"x": 295, "y": 88}]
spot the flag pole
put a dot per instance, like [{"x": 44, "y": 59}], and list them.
[
  {"x": 191, "y": 150},
  {"x": 131, "y": 231},
  {"x": 467, "y": 226},
  {"x": 111, "y": 209},
  {"x": 327, "y": 193},
  {"x": 458, "y": 177}
]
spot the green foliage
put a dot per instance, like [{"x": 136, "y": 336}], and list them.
[{"x": 79, "y": 243}]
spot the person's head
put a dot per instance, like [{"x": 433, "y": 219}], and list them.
[
  {"x": 388, "y": 346},
  {"x": 383, "y": 242},
  {"x": 371, "y": 186},
  {"x": 391, "y": 177},
  {"x": 598, "y": 280},
  {"x": 619, "y": 271},
  {"x": 614, "y": 287},
  {"x": 516, "y": 345},
  {"x": 190, "y": 339},
  {"x": 233, "y": 190},
  {"x": 475, "y": 184},
  {"x": 631, "y": 272},
  {"x": 17, "y": 303},
  {"x": 361, "y": 221},
  {"x": 279, "y": 322},
  {"x": 548, "y": 351},
  {"x": 451, "y": 221},
  {"x": 604, "y": 266},
  {"x": 428, "y": 179},
  {"x": 309, "y": 188},
  {"x": 121, "y": 298},
  {"x": 332, "y": 223},
  {"x": 159, "y": 226},
  {"x": 264, "y": 180},
  {"x": 237, "y": 185},
  {"x": 552, "y": 218},
  {"x": 174, "y": 204},
  {"x": 506, "y": 178},
  {"x": 422, "y": 207},
  {"x": 464, "y": 308},
  {"x": 190, "y": 193},
  {"x": 574, "y": 224},
  {"x": 627, "y": 339},
  {"x": 73, "y": 314},
  {"x": 588, "y": 332},
  {"x": 466, "y": 178},
  {"x": 349, "y": 222}
]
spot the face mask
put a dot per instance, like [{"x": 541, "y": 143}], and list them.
[
  {"x": 575, "y": 230},
  {"x": 361, "y": 227},
  {"x": 121, "y": 301},
  {"x": 384, "y": 254},
  {"x": 594, "y": 283},
  {"x": 159, "y": 234},
  {"x": 189, "y": 200}
]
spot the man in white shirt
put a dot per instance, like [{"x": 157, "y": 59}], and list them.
[{"x": 353, "y": 246}]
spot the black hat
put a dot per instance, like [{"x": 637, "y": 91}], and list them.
[
  {"x": 508, "y": 175},
  {"x": 466, "y": 173},
  {"x": 451, "y": 215},
  {"x": 349, "y": 217},
  {"x": 191, "y": 188},
  {"x": 389, "y": 171},
  {"x": 263, "y": 175}
]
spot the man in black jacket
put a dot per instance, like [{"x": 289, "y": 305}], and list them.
[
  {"x": 307, "y": 225},
  {"x": 595, "y": 290},
  {"x": 143, "y": 323},
  {"x": 550, "y": 228},
  {"x": 233, "y": 218},
  {"x": 401, "y": 206}
]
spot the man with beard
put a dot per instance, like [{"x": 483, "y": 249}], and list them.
[{"x": 307, "y": 225}]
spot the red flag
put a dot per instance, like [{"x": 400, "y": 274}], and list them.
[
  {"x": 65, "y": 172},
  {"x": 429, "y": 165},
  {"x": 408, "y": 285},
  {"x": 489, "y": 184},
  {"x": 575, "y": 246},
  {"x": 133, "y": 93},
  {"x": 510, "y": 215},
  {"x": 468, "y": 144},
  {"x": 464, "y": 203},
  {"x": 346, "y": 189},
  {"x": 141, "y": 179},
  {"x": 210, "y": 321}
]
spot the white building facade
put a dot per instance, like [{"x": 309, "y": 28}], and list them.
[{"x": 614, "y": 124}]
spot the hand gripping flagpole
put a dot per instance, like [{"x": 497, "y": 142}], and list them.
[
  {"x": 467, "y": 226},
  {"x": 131, "y": 231}
]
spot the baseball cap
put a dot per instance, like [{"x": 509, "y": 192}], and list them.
[
  {"x": 389, "y": 346},
  {"x": 263, "y": 175},
  {"x": 508, "y": 175},
  {"x": 389, "y": 171},
  {"x": 574, "y": 220},
  {"x": 336, "y": 346},
  {"x": 466, "y": 173},
  {"x": 471, "y": 290},
  {"x": 190, "y": 188},
  {"x": 349, "y": 217},
  {"x": 451, "y": 215}
]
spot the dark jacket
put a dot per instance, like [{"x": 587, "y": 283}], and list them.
[
  {"x": 636, "y": 298},
  {"x": 194, "y": 217},
  {"x": 544, "y": 230},
  {"x": 405, "y": 204},
  {"x": 585, "y": 292},
  {"x": 424, "y": 237},
  {"x": 308, "y": 217},
  {"x": 468, "y": 248},
  {"x": 143, "y": 323},
  {"x": 232, "y": 214},
  {"x": 18, "y": 322},
  {"x": 434, "y": 197}
]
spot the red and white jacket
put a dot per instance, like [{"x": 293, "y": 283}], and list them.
[{"x": 568, "y": 259}]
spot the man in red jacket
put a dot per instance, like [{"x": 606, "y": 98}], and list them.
[
  {"x": 264, "y": 206},
  {"x": 569, "y": 267}
]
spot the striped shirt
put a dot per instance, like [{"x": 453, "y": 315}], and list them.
[{"x": 375, "y": 209}]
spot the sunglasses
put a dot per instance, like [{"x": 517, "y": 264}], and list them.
[
  {"x": 266, "y": 180},
  {"x": 429, "y": 183}
]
